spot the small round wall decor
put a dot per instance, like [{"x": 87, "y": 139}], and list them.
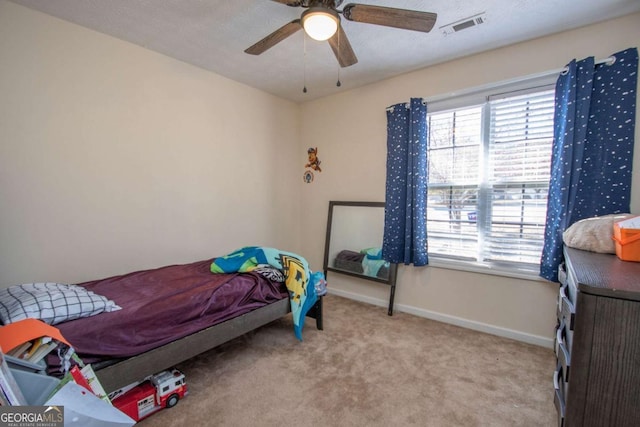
[{"x": 308, "y": 177}]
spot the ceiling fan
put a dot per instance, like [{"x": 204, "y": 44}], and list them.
[{"x": 321, "y": 21}]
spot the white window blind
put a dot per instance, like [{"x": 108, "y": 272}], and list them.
[
  {"x": 489, "y": 178},
  {"x": 454, "y": 155}
]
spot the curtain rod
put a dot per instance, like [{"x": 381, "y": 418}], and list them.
[
  {"x": 609, "y": 61},
  {"x": 406, "y": 105}
]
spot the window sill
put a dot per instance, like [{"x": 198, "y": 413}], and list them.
[{"x": 483, "y": 268}]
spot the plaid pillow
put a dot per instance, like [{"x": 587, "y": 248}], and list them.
[{"x": 51, "y": 302}]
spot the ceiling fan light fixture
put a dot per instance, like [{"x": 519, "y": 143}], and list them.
[{"x": 320, "y": 23}]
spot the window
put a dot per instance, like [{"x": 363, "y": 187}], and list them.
[{"x": 489, "y": 171}]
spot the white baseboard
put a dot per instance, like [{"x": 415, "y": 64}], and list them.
[{"x": 453, "y": 320}]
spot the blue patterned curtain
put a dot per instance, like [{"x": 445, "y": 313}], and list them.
[
  {"x": 405, "y": 226},
  {"x": 594, "y": 127}
]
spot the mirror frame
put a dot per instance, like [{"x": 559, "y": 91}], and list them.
[{"x": 393, "y": 268}]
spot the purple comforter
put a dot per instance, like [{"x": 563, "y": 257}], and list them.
[{"x": 165, "y": 304}]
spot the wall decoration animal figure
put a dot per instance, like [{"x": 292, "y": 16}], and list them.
[{"x": 314, "y": 161}]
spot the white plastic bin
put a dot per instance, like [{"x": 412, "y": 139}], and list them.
[{"x": 35, "y": 387}]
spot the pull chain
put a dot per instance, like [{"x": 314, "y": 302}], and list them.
[
  {"x": 304, "y": 48},
  {"x": 338, "y": 82}
]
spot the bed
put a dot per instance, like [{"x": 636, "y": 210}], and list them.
[{"x": 167, "y": 315}]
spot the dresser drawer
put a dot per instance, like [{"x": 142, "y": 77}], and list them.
[
  {"x": 566, "y": 308},
  {"x": 563, "y": 353},
  {"x": 560, "y": 409},
  {"x": 564, "y": 360},
  {"x": 563, "y": 336},
  {"x": 559, "y": 395},
  {"x": 562, "y": 274}
]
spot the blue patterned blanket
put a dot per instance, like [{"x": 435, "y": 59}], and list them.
[{"x": 298, "y": 277}]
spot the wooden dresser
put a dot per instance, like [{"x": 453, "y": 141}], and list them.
[{"x": 597, "y": 378}]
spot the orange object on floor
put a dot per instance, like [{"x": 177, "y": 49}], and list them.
[{"x": 16, "y": 333}]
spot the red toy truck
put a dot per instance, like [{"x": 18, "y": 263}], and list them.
[{"x": 162, "y": 390}]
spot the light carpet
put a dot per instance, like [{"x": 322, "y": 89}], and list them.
[{"x": 366, "y": 369}]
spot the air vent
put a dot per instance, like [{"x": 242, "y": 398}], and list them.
[{"x": 463, "y": 24}]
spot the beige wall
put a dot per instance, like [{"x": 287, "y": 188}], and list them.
[
  {"x": 115, "y": 158},
  {"x": 349, "y": 130}
]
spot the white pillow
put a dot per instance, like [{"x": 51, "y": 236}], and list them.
[
  {"x": 593, "y": 234},
  {"x": 51, "y": 302}
]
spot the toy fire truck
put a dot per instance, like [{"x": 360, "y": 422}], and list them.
[{"x": 162, "y": 390}]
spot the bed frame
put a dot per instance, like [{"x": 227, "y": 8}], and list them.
[{"x": 126, "y": 371}]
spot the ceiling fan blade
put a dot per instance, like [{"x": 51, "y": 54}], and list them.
[
  {"x": 274, "y": 38},
  {"x": 390, "y": 17},
  {"x": 292, "y": 3},
  {"x": 342, "y": 48}
]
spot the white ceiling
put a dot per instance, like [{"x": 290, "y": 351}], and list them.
[{"x": 213, "y": 34}]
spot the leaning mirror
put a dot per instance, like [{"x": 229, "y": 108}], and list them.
[{"x": 353, "y": 244}]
